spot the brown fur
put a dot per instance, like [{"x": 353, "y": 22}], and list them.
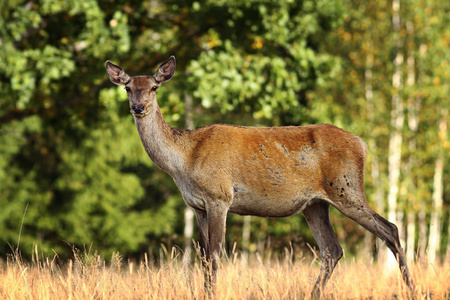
[{"x": 267, "y": 172}]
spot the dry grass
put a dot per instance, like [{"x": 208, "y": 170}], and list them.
[{"x": 89, "y": 277}]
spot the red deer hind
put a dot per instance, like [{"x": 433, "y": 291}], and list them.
[{"x": 268, "y": 172}]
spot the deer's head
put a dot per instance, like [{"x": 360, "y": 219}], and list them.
[{"x": 141, "y": 90}]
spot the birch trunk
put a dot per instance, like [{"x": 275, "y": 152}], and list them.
[
  {"x": 246, "y": 238},
  {"x": 188, "y": 212},
  {"x": 413, "y": 124},
  {"x": 422, "y": 241},
  {"x": 447, "y": 258},
  {"x": 397, "y": 120},
  {"x": 379, "y": 253},
  {"x": 438, "y": 193}
]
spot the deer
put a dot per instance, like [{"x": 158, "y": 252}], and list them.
[{"x": 270, "y": 172}]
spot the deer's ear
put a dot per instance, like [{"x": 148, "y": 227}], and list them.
[
  {"x": 116, "y": 74},
  {"x": 165, "y": 70}
]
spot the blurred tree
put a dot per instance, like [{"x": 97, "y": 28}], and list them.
[
  {"x": 361, "y": 101},
  {"x": 69, "y": 148}
]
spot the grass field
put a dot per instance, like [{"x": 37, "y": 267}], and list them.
[{"x": 88, "y": 276}]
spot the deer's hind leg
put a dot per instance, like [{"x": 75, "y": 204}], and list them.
[
  {"x": 356, "y": 208},
  {"x": 317, "y": 216}
]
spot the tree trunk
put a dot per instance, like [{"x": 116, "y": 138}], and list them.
[
  {"x": 413, "y": 124},
  {"x": 397, "y": 120},
  {"x": 378, "y": 253},
  {"x": 246, "y": 238},
  {"x": 188, "y": 212},
  {"x": 422, "y": 244},
  {"x": 438, "y": 193},
  {"x": 447, "y": 258}
]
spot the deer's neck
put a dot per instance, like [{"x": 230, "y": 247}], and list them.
[{"x": 160, "y": 141}]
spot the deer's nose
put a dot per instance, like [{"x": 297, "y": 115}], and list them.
[{"x": 137, "y": 109}]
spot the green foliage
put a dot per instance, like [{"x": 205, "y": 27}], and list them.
[
  {"x": 69, "y": 149},
  {"x": 265, "y": 65}
]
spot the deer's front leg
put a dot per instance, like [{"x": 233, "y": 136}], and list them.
[
  {"x": 202, "y": 222},
  {"x": 216, "y": 216}
]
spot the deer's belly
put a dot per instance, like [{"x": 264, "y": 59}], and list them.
[{"x": 269, "y": 204}]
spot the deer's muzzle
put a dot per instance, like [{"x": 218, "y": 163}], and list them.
[{"x": 137, "y": 109}]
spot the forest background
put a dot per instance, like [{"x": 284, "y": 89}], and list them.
[{"x": 73, "y": 172}]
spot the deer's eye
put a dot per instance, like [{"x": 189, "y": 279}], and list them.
[
  {"x": 127, "y": 89},
  {"x": 154, "y": 88}
]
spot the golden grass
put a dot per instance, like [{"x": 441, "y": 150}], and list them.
[{"x": 89, "y": 277}]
